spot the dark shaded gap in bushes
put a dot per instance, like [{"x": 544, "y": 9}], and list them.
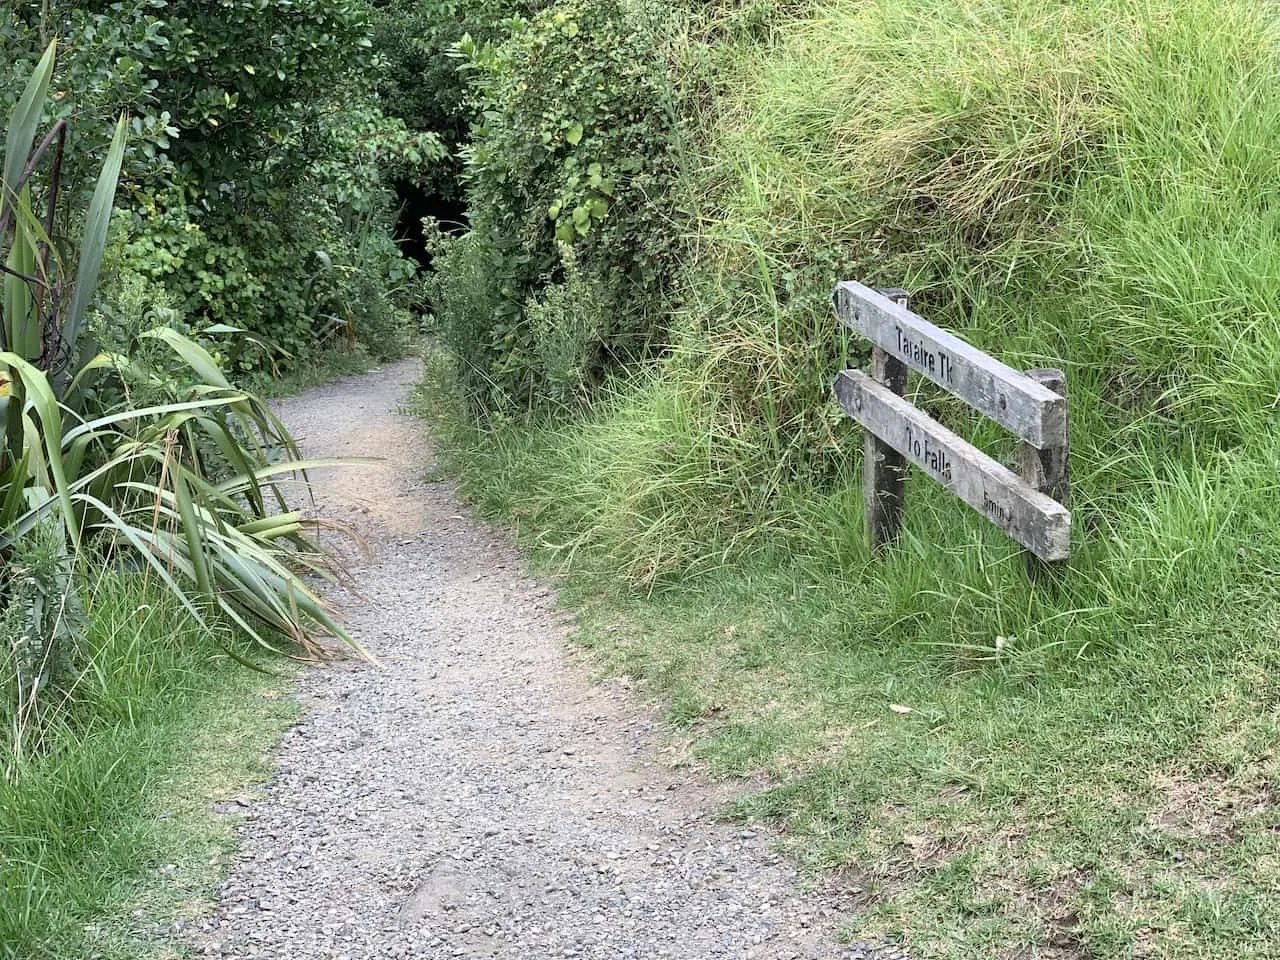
[{"x": 415, "y": 203}]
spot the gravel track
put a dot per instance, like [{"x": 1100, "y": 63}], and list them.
[{"x": 477, "y": 795}]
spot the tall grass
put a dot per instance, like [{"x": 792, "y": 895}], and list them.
[
  {"x": 1081, "y": 185},
  {"x": 87, "y": 820}
]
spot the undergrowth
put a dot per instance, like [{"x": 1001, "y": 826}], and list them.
[{"x": 113, "y": 815}]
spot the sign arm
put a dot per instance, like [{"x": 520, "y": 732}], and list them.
[
  {"x": 1030, "y": 517},
  {"x": 1017, "y": 402}
]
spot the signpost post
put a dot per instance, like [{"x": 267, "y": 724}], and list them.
[
  {"x": 884, "y": 470},
  {"x": 1030, "y": 506}
]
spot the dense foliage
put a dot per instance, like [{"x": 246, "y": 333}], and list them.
[
  {"x": 140, "y": 454},
  {"x": 571, "y": 187},
  {"x": 256, "y": 187},
  {"x": 251, "y": 225},
  {"x": 189, "y": 190},
  {"x": 658, "y": 200},
  {"x": 422, "y": 84},
  {"x": 1010, "y": 172}
]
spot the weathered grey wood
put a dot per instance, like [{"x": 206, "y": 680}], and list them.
[
  {"x": 1026, "y": 408},
  {"x": 1047, "y": 470},
  {"x": 1030, "y": 517},
  {"x": 884, "y": 471}
]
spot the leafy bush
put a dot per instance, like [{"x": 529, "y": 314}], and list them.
[
  {"x": 184, "y": 486},
  {"x": 259, "y": 151},
  {"x": 1015, "y": 176},
  {"x": 570, "y": 178},
  {"x": 422, "y": 84}
]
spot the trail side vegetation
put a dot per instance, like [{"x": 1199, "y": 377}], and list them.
[
  {"x": 640, "y": 386},
  {"x": 194, "y": 198},
  {"x": 635, "y": 213},
  {"x": 123, "y": 825}
]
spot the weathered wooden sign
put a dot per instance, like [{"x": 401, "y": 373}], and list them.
[
  {"x": 1011, "y": 399},
  {"x": 1029, "y": 507}
]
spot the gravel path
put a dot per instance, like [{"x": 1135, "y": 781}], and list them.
[{"x": 477, "y": 796}]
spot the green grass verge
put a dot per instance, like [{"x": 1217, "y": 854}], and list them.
[
  {"x": 1078, "y": 768},
  {"x": 1014, "y": 797},
  {"x": 116, "y": 813}
]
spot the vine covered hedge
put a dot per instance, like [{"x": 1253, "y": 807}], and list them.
[
  {"x": 255, "y": 192},
  {"x": 571, "y": 177}
]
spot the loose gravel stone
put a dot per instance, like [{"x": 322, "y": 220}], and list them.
[{"x": 476, "y": 795}]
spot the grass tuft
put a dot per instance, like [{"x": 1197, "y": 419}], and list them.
[{"x": 115, "y": 814}]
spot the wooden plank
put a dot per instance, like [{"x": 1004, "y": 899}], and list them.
[
  {"x": 1030, "y": 517},
  {"x": 1026, "y": 408}
]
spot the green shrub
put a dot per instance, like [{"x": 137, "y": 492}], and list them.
[
  {"x": 570, "y": 180},
  {"x": 185, "y": 485},
  {"x": 422, "y": 83},
  {"x": 41, "y": 621},
  {"x": 259, "y": 152}
]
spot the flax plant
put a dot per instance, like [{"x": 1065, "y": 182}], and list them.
[{"x": 189, "y": 489}]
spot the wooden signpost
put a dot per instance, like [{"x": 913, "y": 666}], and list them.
[{"x": 1030, "y": 505}]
